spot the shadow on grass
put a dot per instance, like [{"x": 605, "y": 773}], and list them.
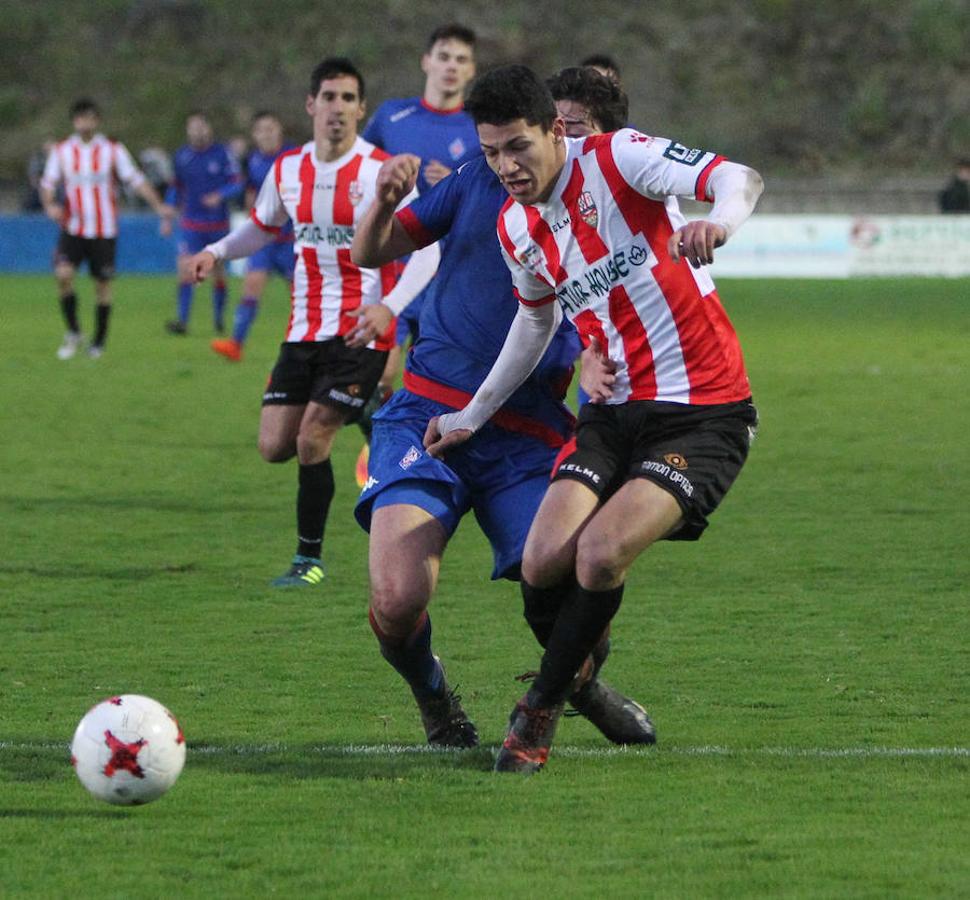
[
  {"x": 56, "y": 814},
  {"x": 56, "y": 505},
  {"x": 130, "y": 573},
  {"x": 45, "y": 760}
]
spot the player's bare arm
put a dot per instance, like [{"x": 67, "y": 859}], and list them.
[
  {"x": 380, "y": 237},
  {"x": 434, "y": 171},
  {"x": 735, "y": 190},
  {"x": 53, "y": 209}
]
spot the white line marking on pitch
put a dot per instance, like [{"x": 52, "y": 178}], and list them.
[{"x": 563, "y": 750}]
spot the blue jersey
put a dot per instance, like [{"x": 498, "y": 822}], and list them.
[
  {"x": 412, "y": 126},
  {"x": 469, "y": 307},
  {"x": 201, "y": 172},
  {"x": 257, "y": 168}
]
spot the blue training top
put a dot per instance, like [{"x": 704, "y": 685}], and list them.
[
  {"x": 200, "y": 172},
  {"x": 469, "y": 305},
  {"x": 258, "y": 166}
]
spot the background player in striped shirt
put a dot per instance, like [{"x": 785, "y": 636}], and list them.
[
  {"x": 332, "y": 356},
  {"x": 267, "y": 135},
  {"x": 88, "y": 165},
  {"x": 592, "y": 228},
  {"x": 207, "y": 178}
]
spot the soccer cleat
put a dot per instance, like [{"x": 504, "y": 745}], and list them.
[
  {"x": 360, "y": 469},
  {"x": 526, "y": 746},
  {"x": 446, "y": 724},
  {"x": 73, "y": 341},
  {"x": 620, "y": 719},
  {"x": 176, "y": 327},
  {"x": 95, "y": 351},
  {"x": 304, "y": 571},
  {"x": 227, "y": 347}
]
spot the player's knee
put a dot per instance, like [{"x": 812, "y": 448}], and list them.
[
  {"x": 273, "y": 450},
  {"x": 397, "y": 602},
  {"x": 545, "y": 563},
  {"x": 599, "y": 565}
]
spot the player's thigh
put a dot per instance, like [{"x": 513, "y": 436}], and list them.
[
  {"x": 638, "y": 514},
  {"x": 254, "y": 283},
  {"x": 318, "y": 428},
  {"x": 406, "y": 546},
  {"x": 279, "y": 425},
  {"x": 550, "y": 549}
]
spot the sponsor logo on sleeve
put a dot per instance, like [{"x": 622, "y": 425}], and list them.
[{"x": 688, "y": 156}]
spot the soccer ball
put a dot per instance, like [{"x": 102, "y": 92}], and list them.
[{"x": 128, "y": 750}]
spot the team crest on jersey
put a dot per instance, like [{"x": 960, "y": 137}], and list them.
[
  {"x": 456, "y": 148},
  {"x": 587, "y": 209},
  {"x": 356, "y": 192},
  {"x": 531, "y": 258}
]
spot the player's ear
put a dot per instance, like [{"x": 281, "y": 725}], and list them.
[
  {"x": 310, "y": 100},
  {"x": 558, "y": 129},
  {"x": 425, "y": 59}
]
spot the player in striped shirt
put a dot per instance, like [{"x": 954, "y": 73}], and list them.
[
  {"x": 332, "y": 356},
  {"x": 89, "y": 166},
  {"x": 592, "y": 229}
]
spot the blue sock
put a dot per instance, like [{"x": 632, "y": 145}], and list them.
[
  {"x": 185, "y": 293},
  {"x": 218, "y": 303},
  {"x": 245, "y": 316},
  {"x": 412, "y": 657}
]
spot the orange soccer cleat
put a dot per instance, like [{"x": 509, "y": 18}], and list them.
[{"x": 227, "y": 347}]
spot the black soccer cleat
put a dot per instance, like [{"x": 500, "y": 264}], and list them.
[
  {"x": 176, "y": 327},
  {"x": 446, "y": 724},
  {"x": 527, "y": 742},
  {"x": 620, "y": 719}
]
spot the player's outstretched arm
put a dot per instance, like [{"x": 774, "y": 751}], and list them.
[
  {"x": 380, "y": 237},
  {"x": 532, "y": 329},
  {"x": 242, "y": 241},
  {"x": 735, "y": 190}
]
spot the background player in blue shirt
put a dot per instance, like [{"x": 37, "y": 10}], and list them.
[
  {"x": 207, "y": 177},
  {"x": 267, "y": 135},
  {"x": 412, "y": 502}
]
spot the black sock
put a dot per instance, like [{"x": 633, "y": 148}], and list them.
[
  {"x": 412, "y": 658},
  {"x": 312, "y": 505},
  {"x": 102, "y": 312},
  {"x": 579, "y": 627},
  {"x": 69, "y": 311},
  {"x": 541, "y": 606}
]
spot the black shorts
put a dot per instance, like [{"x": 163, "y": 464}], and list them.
[
  {"x": 99, "y": 252},
  {"x": 693, "y": 452},
  {"x": 327, "y": 372}
]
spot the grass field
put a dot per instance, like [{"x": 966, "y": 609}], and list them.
[{"x": 806, "y": 663}]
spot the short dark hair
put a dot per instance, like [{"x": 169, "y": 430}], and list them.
[
  {"x": 605, "y": 100},
  {"x": 84, "y": 105},
  {"x": 334, "y": 67},
  {"x": 601, "y": 61},
  {"x": 264, "y": 114},
  {"x": 452, "y": 31},
  {"x": 509, "y": 93}
]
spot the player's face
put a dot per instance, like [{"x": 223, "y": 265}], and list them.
[
  {"x": 198, "y": 131},
  {"x": 86, "y": 124},
  {"x": 267, "y": 135},
  {"x": 337, "y": 109},
  {"x": 449, "y": 65},
  {"x": 526, "y": 158},
  {"x": 577, "y": 119}
]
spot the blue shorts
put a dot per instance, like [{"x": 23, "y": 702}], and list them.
[
  {"x": 500, "y": 475},
  {"x": 191, "y": 242},
  {"x": 276, "y": 257}
]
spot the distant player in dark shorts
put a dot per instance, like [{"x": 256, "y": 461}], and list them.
[
  {"x": 86, "y": 168},
  {"x": 593, "y": 231},
  {"x": 332, "y": 357}
]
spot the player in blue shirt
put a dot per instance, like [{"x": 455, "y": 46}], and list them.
[
  {"x": 412, "y": 502},
  {"x": 435, "y": 128},
  {"x": 207, "y": 177},
  {"x": 267, "y": 134}
]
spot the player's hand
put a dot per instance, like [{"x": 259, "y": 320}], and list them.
[
  {"x": 213, "y": 200},
  {"x": 372, "y": 322},
  {"x": 597, "y": 373},
  {"x": 201, "y": 265},
  {"x": 434, "y": 171},
  {"x": 696, "y": 241},
  {"x": 439, "y": 439},
  {"x": 397, "y": 177},
  {"x": 55, "y": 212},
  {"x": 166, "y": 215}
]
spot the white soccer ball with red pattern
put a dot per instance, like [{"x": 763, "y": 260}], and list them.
[{"x": 128, "y": 750}]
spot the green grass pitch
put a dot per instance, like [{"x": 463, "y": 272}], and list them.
[{"x": 806, "y": 663}]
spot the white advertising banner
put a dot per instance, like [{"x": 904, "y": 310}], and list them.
[{"x": 830, "y": 246}]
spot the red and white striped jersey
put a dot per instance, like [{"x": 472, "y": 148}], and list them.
[
  {"x": 599, "y": 246},
  {"x": 90, "y": 172},
  {"x": 325, "y": 201}
]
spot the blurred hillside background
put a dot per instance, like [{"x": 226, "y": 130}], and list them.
[{"x": 861, "y": 105}]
